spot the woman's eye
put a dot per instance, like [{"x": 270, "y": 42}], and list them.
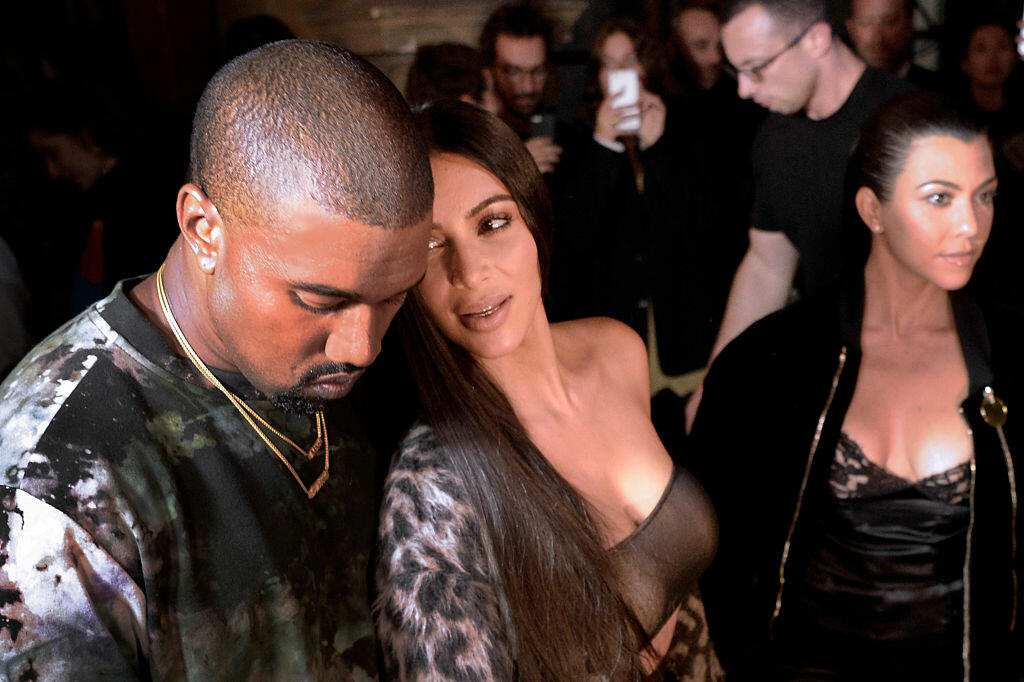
[
  {"x": 493, "y": 223},
  {"x": 987, "y": 197},
  {"x": 939, "y": 198}
]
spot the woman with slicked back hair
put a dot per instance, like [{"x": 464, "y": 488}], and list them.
[
  {"x": 533, "y": 527},
  {"x": 868, "y": 500}
]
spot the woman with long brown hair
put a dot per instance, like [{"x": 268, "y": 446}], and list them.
[{"x": 534, "y": 527}]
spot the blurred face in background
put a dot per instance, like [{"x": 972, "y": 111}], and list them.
[
  {"x": 520, "y": 71},
  {"x": 881, "y": 31},
  {"x": 699, "y": 33},
  {"x": 615, "y": 54},
  {"x": 990, "y": 57}
]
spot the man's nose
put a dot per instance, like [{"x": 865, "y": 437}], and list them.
[
  {"x": 745, "y": 85},
  {"x": 354, "y": 337}
]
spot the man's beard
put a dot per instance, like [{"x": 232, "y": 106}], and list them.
[
  {"x": 523, "y": 105},
  {"x": 294, "y": 402}
]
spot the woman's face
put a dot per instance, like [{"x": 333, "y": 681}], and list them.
[
  {"x": 617, "y": 53},
  {"x": 939, "y": 215},
  {"x": 482, "y": 285},
  {"x": 990, "y": 56}
]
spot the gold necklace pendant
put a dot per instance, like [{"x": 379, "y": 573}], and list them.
[{"x": 248, "y": 414}]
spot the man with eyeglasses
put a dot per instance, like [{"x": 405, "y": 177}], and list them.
[
  {"x": 515, "y": 43},
  {"x": 785, "y": 57}
]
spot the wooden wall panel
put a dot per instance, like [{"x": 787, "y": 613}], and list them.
[{"x": 387, "y": 32}]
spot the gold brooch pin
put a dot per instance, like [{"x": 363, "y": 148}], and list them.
[{"x": 993, "y": 409}]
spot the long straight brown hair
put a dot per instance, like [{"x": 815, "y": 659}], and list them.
[{"x": 563, "y": 614}]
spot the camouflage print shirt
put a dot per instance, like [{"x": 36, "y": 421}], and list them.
[{"x": 147, "y": 532}]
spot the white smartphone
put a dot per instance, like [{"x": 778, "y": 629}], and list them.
[
  {"x": 624, "y": 86},
  {"x": 1020, "y": 37}
]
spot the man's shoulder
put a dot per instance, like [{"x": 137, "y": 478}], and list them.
[
  {"x": 876, "y": 87},
  {"x": 82, "y": 401},
  {"x": 41, "y": 384}
]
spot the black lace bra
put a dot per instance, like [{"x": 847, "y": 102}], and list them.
[
  {"x": 853, "y": 475},
  {"x": 660, "y": 561}
]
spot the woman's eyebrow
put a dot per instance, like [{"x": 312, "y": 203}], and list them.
[{"x": 487, "y": 202}]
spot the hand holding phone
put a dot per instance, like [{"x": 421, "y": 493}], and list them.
[
  {"x": 624, "y": 88},
  {"x": 542, "y": 125}
]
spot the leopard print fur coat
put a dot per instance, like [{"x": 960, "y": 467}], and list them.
[{"x": 437, "y": 614}]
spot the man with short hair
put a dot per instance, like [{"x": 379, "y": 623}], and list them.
[
  {"x": 881, "y": 32},
  {"x": 787, "y": 59},
  {"x": 697, "y": 31},
  {"x": 515, "y": 43},
  {"x": 185, "y": 495}
]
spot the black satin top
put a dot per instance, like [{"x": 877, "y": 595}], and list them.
[
  {"x": 660, "y": 561},
  {"x": 884, "y": 571}
]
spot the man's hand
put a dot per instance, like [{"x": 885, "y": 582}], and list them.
[{"x": 545, "y": 153}]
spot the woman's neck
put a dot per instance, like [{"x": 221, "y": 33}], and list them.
[
  {"x": 987, "y": 98},
  {"x": 532, "y": 376},
  {"x": 900, "y": 303}
]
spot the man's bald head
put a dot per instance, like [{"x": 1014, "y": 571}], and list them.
[{"x": 300, "y": 119}]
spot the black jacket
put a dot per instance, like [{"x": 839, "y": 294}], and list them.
[
  {"x": 773, "y": 405},
  {"x": 615, "y": 248}
]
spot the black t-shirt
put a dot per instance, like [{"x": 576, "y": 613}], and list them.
[{"x": 799, "y": 166}]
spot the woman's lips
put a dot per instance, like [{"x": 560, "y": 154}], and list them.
[
  {"x": 961, "y": 259},
  {"x": 485, "y": 315}
]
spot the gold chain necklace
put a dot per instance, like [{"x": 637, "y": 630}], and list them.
[{"x": 250, "y": 415}]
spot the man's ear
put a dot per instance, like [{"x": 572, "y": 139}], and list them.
[
  {"x": 819, "y": 39},
  {"x": 201, "y": 226},
  {"x": 869, "y": 208}
]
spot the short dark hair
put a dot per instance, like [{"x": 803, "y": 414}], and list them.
[
  {"x": 470, "y": 132},
  {"x": 444, "y": 71},
  {"x": 304, "y": 118},
  {"x": 798, "y": 13},
  {"x": 519, "y": 19}
]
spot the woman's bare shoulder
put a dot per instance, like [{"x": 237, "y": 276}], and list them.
[{"x": 604, "y": 345}]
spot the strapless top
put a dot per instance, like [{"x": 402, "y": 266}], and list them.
[{"x": 660, "y": 561}]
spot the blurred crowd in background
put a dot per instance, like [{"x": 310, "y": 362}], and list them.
[{"x": 650, "y": 226}]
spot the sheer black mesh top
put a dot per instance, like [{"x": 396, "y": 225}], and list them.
[{"x": 659, "y": 562}]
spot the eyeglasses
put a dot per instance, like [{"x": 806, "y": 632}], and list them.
[{"x": 755, "y": 73}]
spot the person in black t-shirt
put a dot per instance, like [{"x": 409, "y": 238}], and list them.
[{"x": 787, "y": 59}]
